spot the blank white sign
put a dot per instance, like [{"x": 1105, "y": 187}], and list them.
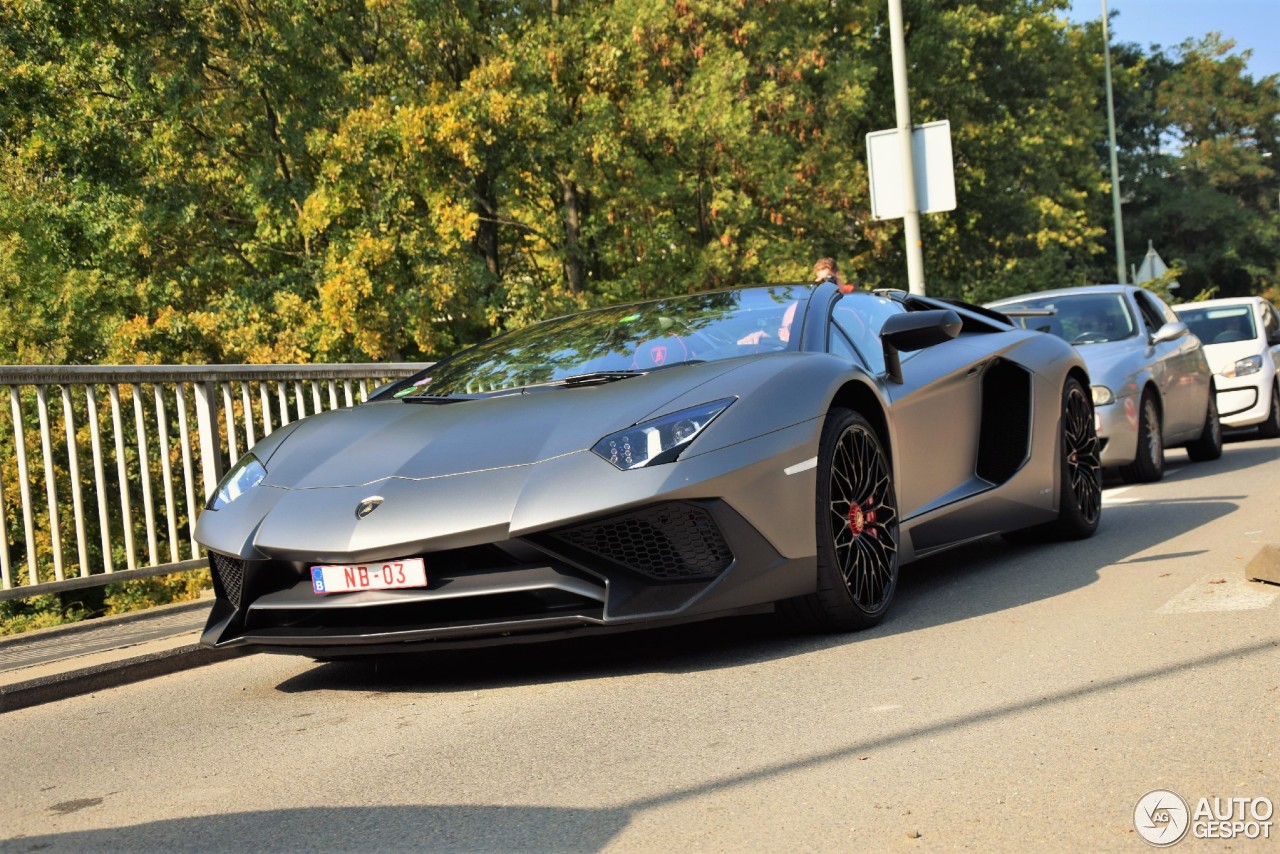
[{"x": 935, "y": 174}]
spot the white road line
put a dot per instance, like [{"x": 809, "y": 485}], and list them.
[
  {"x": 1110, "y": 496},
  {"x": 1231, "y": 593}
]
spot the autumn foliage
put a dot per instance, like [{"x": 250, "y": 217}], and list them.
[{"x": 337, "y": 180}]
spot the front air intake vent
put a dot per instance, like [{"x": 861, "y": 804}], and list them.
[
  {"x": 229, "y": 572},
  {"x": 672, "y": 541}
]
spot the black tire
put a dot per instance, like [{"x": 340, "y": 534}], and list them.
[
  {"x": 1209, "y": 445},
  {"x": 857, "y": 530},
  {"x": 1080, "y": 474},
  {"x": 1148, "y": 466},
  {"x": 1270, "y": 429}
]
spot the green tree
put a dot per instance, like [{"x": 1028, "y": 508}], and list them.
[{"x": 1200, "y": 147}]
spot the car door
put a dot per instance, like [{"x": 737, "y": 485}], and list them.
[
  {"x": 937, "y": 411},
  {"x": 1178, "y": 366}
]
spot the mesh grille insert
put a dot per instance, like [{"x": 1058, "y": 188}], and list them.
[
  {"x": 669, "y": 541},
  {"x": 230, "y": 573}
]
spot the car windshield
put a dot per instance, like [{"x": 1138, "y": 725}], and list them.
[
  {"x": 1220, "y": 324},
  {"x": 1078, "y": 318},
  {"x": 612, "y": 343}
]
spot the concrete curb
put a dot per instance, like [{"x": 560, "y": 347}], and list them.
[{"x": 97, "y": 677}]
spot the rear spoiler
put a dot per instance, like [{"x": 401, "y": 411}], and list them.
[
  {"x": 976, "y": 314},
  {"x": 1030, "y": 312},
  {"x": 1027, "y": 312}
]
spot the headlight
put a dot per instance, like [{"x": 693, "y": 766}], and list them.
[
  {"x": 1244, "y": 367},
  {"x": 661, "y": 440},
  {"x": 1102, "y": 396},
  {"x": 246, "y": 474}
]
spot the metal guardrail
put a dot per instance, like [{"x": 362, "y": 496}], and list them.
[{"x": 86, "y": 531}]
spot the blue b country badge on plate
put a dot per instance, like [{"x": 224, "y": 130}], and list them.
[{"x": 317, "y": 579}]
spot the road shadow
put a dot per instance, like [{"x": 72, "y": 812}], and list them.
[
  {"x": 1235, "y": 457},
  {"x": 445, "y": 828},
  {"x": 533, "y": 828},
  {"x": 992, "y": 575}
]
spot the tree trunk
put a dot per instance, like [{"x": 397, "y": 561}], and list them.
[
  {"x": 574, "y": 269},
  {"x": 486, "y": 239}
]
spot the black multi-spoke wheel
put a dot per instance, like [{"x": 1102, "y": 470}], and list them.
[
  {"x": 1080, "y": 478},
  {"x": 1080, "y": 498},
  {"x": 857, "y": 529}
]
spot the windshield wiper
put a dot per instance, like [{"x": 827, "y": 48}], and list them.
[
  {"x": 591, "y": 378},
  {"x": 434, "y": 398},
  {"x": 597, "y": 377}
]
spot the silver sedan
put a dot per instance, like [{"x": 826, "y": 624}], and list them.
[{"x": 1152, "y": 386}]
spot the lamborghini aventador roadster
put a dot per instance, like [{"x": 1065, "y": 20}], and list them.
[{"x": 767, "y": 449}]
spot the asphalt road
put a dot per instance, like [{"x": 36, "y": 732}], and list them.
[{"x": 1017, "y": 698}]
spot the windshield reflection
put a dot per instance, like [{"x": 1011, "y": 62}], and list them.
[
  {"x": 1220, "y": 325},
  {"x": 621, "y": 340},
  {"x": 1078, "y": 318}
]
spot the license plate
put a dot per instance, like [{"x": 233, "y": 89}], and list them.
[{"x": 378, "y": 575}]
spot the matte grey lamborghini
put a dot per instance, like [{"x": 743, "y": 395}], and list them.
[{"x": 783, "y": 448}]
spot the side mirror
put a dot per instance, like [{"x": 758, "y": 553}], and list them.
[
  {"x": 915, "y": 330},
  {"x": 1168, "y": 332}
]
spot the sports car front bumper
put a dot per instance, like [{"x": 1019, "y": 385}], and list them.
[{"x": 524, "y": 554}]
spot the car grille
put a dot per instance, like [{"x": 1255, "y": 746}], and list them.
[
  {"x": 668, "y": 542},
  {"x": 230, "y": 573}
]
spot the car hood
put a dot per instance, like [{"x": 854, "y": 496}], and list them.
[
  {"x": 1110, "y": 362},
  {"x": 1224, "y": 355},
  {"x": 395, "y": 438}
]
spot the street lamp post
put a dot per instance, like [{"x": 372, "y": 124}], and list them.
[
  {"x": 902, "y": 107},
  {"x": 1111, "y": 144}
]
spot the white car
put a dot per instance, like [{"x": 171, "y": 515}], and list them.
[{"x": 1241, "y": 337}]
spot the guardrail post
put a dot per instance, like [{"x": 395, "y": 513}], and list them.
[{"x": 207, "y": 424}]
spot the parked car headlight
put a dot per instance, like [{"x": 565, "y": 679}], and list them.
[
  {"x": 244, "y": 476},
  {"x": 660, "y": 440},
  {"x": 1102, "y": 396},
  {"x": 1243, "y": 367}
]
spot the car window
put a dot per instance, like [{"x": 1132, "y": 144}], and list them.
[
  {"x": 1170, "y": 316},
  {"x": 1149, "y": 306},
  {"x": 1220, "y": 324},
  {"x": 839, "y": 345},
  {"x": 861, "y": 316},
  {"x": 1081, "y": 318}
]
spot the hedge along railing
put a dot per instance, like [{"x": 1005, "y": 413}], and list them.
[{"x": 95, "y": 465}]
